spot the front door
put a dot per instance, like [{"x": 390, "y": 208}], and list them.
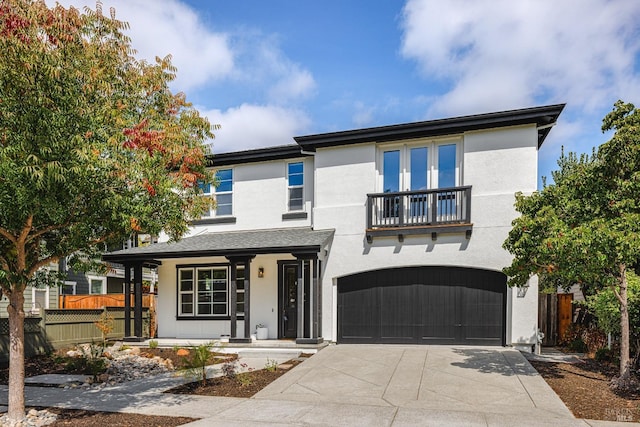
[{"x": 288, "y": 301}]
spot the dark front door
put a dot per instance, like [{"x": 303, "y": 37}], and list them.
[{"x": 288, "y": 301}]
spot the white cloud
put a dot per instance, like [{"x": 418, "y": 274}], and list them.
[
  {"x": 254, "y": 126},
  {"x": 165, "y": 27},
  {"x": 262, "y": 65},
  {"x": 500, "y": 54}
]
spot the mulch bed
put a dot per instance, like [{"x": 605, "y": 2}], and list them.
[
  {"x": 584, "y": 388},
  {"x": 82, "y": 418},
  {"x": 241, "y": 385}
]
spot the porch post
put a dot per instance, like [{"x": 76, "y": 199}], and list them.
[
  {"x": 247, "y": 299},
  {"x": 300, "y": 323},
  {"x": 137, "y": 300},
  {"x": 313, "y": 303},
  {"x": 312, "y": 317},
  {"x": 233, "y": 298},
  {"x": 127, "y": 300}
]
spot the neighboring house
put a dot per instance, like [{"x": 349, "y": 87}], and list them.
[
  {"x": 92, "y": 283},
  {"x": 36, "y": 299},
  {"x": 390, "y": 234}
]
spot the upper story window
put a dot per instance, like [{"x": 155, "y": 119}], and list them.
[
  {"x": 295, "y": 177},
  {"x": 420, "y": 167},
  {"x": 223, "y": 193}
]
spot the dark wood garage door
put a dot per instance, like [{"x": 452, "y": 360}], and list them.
[{"x": 423, "y": 305}]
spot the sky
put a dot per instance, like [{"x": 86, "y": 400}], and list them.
[{"x": 267, "y": 71}]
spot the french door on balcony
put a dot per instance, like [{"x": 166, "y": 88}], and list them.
[{"x": 414, "y": 168}]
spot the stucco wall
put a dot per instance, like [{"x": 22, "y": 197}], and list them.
[
  {"x": 496, "y": 163},
  {"x": 260, "y": 197}
]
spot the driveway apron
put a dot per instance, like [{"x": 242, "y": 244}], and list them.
[{"x": 409, "y": 385}]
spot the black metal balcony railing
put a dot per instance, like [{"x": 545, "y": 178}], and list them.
[{"x": 442, "y": 206}]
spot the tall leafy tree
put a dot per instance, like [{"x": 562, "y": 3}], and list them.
[
  {"x": 93, "y": 147},
  {"x": 585, "y": 227}
]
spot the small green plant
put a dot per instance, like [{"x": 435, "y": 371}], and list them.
[
  {"x": 175, "y": 348},
  {"x": 125, "y": 347},
  {"x": 90, "y": 361},
  {"x": 271, "y": 365},
  {"x": 245, "y": 379},
  {"x": 153, "y": 344},
  {"x": 105, "y": 324},
  {"x": 195, "y": 365}
]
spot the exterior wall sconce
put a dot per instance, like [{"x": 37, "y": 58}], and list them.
[
  {"x": 261, "y": 272},
  {"x": 522, "y": 291}
]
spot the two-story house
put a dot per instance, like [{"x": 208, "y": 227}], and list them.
[{"x": 390, "y": 234}]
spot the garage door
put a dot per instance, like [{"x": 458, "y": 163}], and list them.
[{"x": 423, "y": 305}]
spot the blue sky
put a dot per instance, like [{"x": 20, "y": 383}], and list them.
[{"x": 270, "y": 70}]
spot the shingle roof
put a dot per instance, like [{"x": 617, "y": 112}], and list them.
[{"x": 284, "y": 240}]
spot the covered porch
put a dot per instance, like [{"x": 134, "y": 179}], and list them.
[{"x": 222, "y": 286}]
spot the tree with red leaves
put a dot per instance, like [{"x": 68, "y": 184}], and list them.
[{"x": 93, "y": 147}]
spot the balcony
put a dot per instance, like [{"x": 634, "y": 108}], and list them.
[{"x": 443, "y": 210}]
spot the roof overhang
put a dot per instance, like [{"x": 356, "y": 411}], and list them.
[
  {"x": 542, "y": 117},
  {"x": 282, "y": 152},
  {"x": 237, "y": 244}
]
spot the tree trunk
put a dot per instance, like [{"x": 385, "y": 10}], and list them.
[
  {"x": 16, "y": 355},
  {"x": 625, "y": 368}
]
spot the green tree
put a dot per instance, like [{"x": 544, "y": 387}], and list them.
[
  {"x": 605, "y": 306},
  {"x": 585, "y": 227},
  {"x": 93, "y": 147}
]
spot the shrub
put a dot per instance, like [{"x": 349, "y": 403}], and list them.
[
  {"x": 271, "y": 365},
  {"x": 105, "y": 324},
  {"x": 195, "y": 365},
  {"x": 153, "y": 344}
]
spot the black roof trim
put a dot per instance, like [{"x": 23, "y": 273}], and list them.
[
  {"x": 541, "y": 116},
  {"x": 255, "y": 155},
  {"x": 150, "y": 258}
]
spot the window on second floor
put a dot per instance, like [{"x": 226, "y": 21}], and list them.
[
  {"x": 223, "y": 193},
  {"x": 420, "y": 167},
  {"x": 295, "y": 187}
]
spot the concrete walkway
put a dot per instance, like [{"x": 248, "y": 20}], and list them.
[{"x": 355, "y": 385}]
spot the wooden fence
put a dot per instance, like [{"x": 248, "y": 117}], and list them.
[
  {"x": 99, "y": 301},
  {"x": 62, "y": 328}
]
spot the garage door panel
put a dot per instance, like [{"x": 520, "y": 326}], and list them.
[
  {"x": 398, "y": 313},
  {"x": 428, "y": 305},
  {"x": 439, "y": 314},
  {"x": 357, "y": 312}
]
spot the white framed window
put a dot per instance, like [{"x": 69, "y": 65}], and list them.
[
  {"x": 97, "y": 285},
  {"x": 421, "y": 166},
  {"x": 39, "y": 299},
  {"x": 224, "y": 193},
  {"x": 203, "y": 291},
  {"x": 295, "y": 186}
]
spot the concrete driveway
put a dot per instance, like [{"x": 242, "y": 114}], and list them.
[{"x": 383, "y": 385}]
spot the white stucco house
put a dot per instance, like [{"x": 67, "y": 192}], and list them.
[{"x": 390, "y": 234}]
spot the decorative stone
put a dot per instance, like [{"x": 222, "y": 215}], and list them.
[{"x": 182, "y": 352}]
